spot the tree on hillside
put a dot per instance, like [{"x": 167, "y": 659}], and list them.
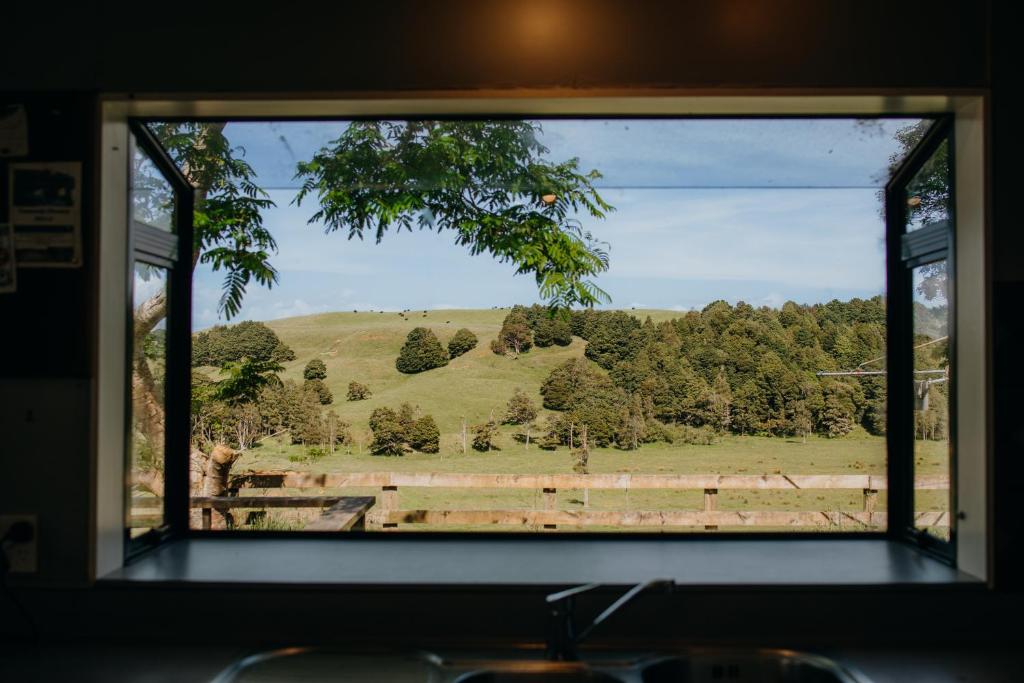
[
  {"x": 570, "y": 380},
  {"x": 357, "y": 391},
  {"x": 550, "y": 331},
  {"x": 520, "y": 409},
  {"x": 227, "y": 343},
  {"x": 484, "y": 436},
  {"x": 388, "y": 433},
  {"x": 463, "y": 342},
  {"x": 720, "y": 403},
  {"x": 317, "y": 386},
  {"x": 421, "y": 351},
  {"x": 486, "y": 181},
  {"x": 423, "y": 435},
  {"x": 515, "y": 336},
  {"x": 315, "y": 369},
  {"x": 244, "y": 380},
  {"x": 615, "y": 338}
]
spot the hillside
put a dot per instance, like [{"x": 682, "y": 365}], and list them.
[{"x": 363, "y": 346}]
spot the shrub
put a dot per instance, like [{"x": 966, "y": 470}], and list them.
[
  {"x": 230, "y": 343},
  {"x": 550, "y": 331},
  {"x": 315, "y": 369},
  {"x": 421, "y": 351},
  {"x": 424, "y": 435},
  {"x": 388, "y": 435},
  {"x": 521, "y": 409},
  {"x": 317, "y": 386},
  {"x": 484, "y": 436},
  {"x": 462, "y": 342},
  {"x": 357, "y": 391},
  {"x": 394, "y": 430}
]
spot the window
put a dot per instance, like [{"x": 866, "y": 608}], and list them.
[
  {"x": 160, "y": 211},
  {"x": 748, "y": 396},
  {"x": 920, "y": 202}
]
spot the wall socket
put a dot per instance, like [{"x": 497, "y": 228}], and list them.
[{"x": 22, "y": 556}]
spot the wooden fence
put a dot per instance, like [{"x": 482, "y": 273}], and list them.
[{"x": 388, "y": 514}]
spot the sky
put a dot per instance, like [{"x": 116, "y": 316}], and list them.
[{"x": 759, "y": 210}]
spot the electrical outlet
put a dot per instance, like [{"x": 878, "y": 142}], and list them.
[{"x": 21, "y": 556}]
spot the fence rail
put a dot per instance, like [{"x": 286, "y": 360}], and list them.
[{"x": 387, "y": 514}]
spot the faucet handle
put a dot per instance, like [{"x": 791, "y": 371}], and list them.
[{"x": 570, "y": 592}]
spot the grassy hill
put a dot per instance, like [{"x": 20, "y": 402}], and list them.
[{"x": 363, "y": 347}]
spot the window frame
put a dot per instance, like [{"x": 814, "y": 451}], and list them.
[
  {"x": 938, "y": 108},
  {"x": 905, "y": 252},
  {"x": 171, "y": 252}
]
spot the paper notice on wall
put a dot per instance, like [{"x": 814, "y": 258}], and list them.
[
  {"x": 46, "y": 214},
  {"x": 8, "y": 269},
  {"x": 13, "y": 131}
]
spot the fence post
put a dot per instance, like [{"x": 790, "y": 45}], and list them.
[
  {"x": 710, "y": 502},
  {"x": 207, "y": 518},
  {"x": 388, "y": 502},
  {"x": 550, "y": 503},
  {"x": 870, "y": 500}
]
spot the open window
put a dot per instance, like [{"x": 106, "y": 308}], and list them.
[
  {"x": 920, "y": 206},
  {"x": 160, "y": 276}
]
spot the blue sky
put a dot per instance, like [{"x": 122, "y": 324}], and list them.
[{"x": 757, "y": 210}]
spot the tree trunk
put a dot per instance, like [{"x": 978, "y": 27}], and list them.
[{"x": 210, "y": 474}]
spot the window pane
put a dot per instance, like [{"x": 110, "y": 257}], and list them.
[
  {"x": 149, "y": 358},
  {"x": 742, "y": 341},
  {"x": 152, "y": 196},
  {"x": 928, "y": 195},
  {"x": 931, "y": 400}
]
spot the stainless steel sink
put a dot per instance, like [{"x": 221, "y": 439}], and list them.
[
  {"x": 691, "y": 666},
  {"x": 697, "y": 665}
]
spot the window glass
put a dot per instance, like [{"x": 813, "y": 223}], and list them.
[
  {"x": 928, "y": 193},
  {"x": 148, "y": 404},
  {"x": 152, "y": 196},
  {"x": 931, "y": 400}
]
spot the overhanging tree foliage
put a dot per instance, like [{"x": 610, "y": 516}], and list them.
[{"x": 486, "y": 181}]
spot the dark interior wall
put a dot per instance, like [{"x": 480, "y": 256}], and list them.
[
  {"x": 301, "y": 46},
  {"x": 467, "y": 44}
]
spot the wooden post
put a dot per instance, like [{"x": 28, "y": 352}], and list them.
[
  {"x": 388, "y": 502},
  {"x": 870, "y": 500},
  {"x": 550, "y": 503},
  {"x": 207, "y": 518},
  {"x": 710, "y": 502}
]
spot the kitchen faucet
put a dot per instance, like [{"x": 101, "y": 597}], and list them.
[{"x": 562, "y": 638}]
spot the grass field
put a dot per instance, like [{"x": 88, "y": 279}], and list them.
[{"x": 363, "y": 347}]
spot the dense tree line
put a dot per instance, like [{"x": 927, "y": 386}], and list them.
[
  {"x": 725, "y": 368},
  {"x": 271, "y": 407},
  {"x": 525, "y": 327}
]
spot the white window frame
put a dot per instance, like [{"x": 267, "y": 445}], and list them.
[{"x": 973, "y": 268}]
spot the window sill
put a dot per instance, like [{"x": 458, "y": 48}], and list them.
[{"x": 539, "y": 562}]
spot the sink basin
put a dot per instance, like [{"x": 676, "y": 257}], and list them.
[
  {"x": 745, "y": 666},
  {"x": 697, "y": 665},
  {"x": 691, "y": 666}
]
